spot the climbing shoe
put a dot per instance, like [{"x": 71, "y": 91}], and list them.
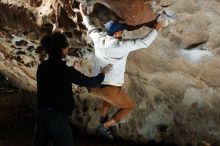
[{"x": 104, "y": 132}]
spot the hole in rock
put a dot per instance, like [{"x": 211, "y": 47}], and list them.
[
  {"x": 163, "y": 128},
  {"x": 104, "y": 14}
]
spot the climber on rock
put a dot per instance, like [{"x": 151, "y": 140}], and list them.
[{"x": 111, "y": 48}]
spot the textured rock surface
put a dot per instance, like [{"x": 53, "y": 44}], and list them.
[
  {"x": 132, "y": 11},
  {"x": 175, "y": 83}
]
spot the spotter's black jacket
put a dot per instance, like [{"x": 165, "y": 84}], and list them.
[{"x": 54, "y": 85}]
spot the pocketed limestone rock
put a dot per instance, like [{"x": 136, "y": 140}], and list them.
[{"x": 174, "y": 82}]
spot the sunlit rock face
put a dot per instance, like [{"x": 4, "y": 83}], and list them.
[{"x": 175, "y": 82}]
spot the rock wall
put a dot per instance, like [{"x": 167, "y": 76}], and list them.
[{"x": 175, "y": 82}]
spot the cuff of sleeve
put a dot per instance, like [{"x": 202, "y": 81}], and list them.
[
  {"x": 101, "y": 74},
  {"x": 86, "y": 20},
  {"x": 154, "y": 31}
]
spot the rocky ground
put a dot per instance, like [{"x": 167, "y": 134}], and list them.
[{"x": 17, "y": 120}]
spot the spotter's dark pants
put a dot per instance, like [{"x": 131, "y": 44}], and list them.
[{"x": 52, "y": 126}]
